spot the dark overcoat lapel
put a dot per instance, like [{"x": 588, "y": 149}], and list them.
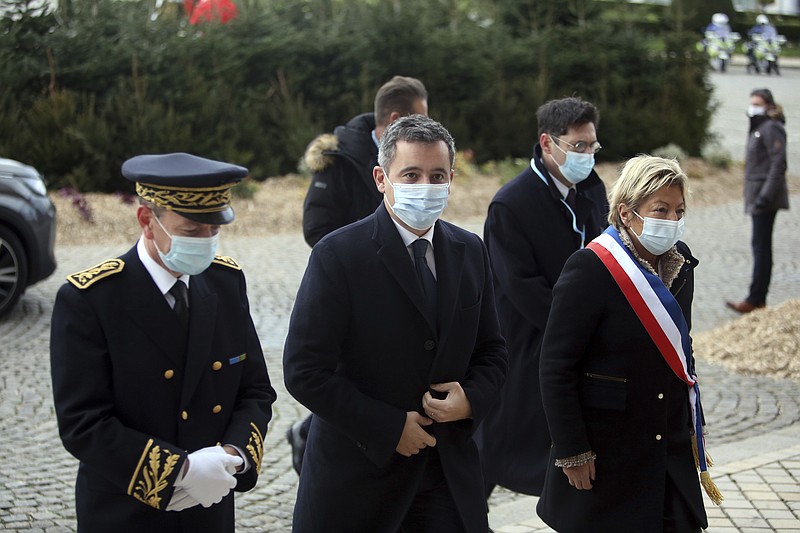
[
  {"x": 449, "y": 254},
  {"x": 394, "y": 256}
]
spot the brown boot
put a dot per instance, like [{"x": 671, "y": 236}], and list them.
[{"x": 743, "y": 307}]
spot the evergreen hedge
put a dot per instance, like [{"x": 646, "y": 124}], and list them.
[{"x": 83, "y": 89}]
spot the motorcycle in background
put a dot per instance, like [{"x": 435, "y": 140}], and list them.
[
  {"x": 719, "y": 48},
  {"x": 763, "y": 53}
]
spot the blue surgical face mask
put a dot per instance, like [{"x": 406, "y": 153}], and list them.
[
  {"x": 188, "y": 255},
  {"x": 659, "y": 235},
  {"x": 576, "y": 167},
  {"x": 419, "y": 205}
]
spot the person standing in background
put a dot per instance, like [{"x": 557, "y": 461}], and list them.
[
  {"x": 535, "y": 222},
  {"x": 765, "y": 190},
  {"x": 342, "y": 189}
]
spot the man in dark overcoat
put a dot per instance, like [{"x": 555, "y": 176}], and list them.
[
  {"x": 395, "y": 348},
  {"x": 342, "y": 189},
  {"x": 160, "y": 385},
  {"x": 535, "y": 222}
]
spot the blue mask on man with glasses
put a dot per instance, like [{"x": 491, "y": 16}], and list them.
[{"x": 577, "y": 165}]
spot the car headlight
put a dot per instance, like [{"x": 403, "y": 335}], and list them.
[{"x": 35, "y": 185}]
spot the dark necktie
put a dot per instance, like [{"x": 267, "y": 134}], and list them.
[
  {"x": 181, "y": 308},
  {"x": 426, "y": 279},
  {"x": 570, "y": 199}
]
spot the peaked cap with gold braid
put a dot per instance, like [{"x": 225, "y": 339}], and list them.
[{"x": 196, "y": 188}]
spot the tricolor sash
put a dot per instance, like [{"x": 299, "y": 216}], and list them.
[{"x": 662, "y": 317}]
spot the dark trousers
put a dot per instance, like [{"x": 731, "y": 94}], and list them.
[
  {"x": 433, "y": 508},
  {"x": 762, "y": 257}
]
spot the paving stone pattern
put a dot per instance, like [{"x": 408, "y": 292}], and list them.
[{"x": 37, "y": 474}]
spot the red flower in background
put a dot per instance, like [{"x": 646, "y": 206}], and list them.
[{"x": 221, "y": 11}]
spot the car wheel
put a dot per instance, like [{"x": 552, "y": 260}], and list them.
[{"x": 13, "y": 270}]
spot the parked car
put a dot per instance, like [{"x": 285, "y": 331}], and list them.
[{"x": 27, "y": 231}]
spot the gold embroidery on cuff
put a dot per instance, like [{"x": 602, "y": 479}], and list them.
[
  {"x": 149, "y": 479},
  {"x": 256, "y": 447}
]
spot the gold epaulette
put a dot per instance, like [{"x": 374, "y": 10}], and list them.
[
  {"x": 85, "y": 278},
  {"x": 226, "y": 261}
]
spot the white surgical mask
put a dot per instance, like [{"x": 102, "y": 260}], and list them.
[
  {"x": 576, "y": 167},
  {"x": 188, "y": 255},
  {"x": 756, "y": 110},
  {"x": 659, "y": 235},
  {"x": 419, "y": 205}
]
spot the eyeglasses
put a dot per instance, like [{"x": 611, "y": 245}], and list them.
[{"x": 581, "y": 146}]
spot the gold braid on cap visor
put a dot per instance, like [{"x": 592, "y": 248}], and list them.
[{"x": 187, "y": 199}]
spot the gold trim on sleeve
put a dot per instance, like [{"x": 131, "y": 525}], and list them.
[
  {"x": 86, "y": 278},
  {"x": 256, "y": 447},
  {"x": 150, "y": 477}
]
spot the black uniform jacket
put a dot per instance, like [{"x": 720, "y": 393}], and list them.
[
  {"x": 607, "y": 388},
  {"x": 133, "y": 395},
  {"x": 342, "y": 188},
  {"x": 361, "y": 352},
  {"x": 529, "y": 234}
]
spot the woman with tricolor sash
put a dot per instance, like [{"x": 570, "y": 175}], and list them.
[{"x": 617, "y": 372}]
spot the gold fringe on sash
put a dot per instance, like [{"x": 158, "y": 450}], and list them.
[
  {"x": 705, "y": 478},
  {"x": 711, "y": 489}
]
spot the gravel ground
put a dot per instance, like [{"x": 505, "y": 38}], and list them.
[{"x": 765, "y": 342}]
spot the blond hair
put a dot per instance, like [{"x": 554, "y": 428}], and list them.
[{"x": 640, "y": 177}]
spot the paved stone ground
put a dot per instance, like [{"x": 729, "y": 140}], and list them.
[
  {"x": 754, "y": 422},
  {"x": 37, "y": 475}
]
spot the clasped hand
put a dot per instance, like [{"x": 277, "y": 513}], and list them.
[
  {"x": 208, "y": 479},
  {"x": 454, "y": 406}
]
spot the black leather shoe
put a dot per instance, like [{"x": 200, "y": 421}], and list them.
[{"x": 298, "y": 444}]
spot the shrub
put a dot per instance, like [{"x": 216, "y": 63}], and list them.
[
  {"x": 717, "y": 156},
  {"x": 670, "y": 151},
  {"x": 106, "y": 81}
]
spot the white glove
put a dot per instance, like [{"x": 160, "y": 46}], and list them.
[
  {"x": 181, "y": 500},
  {"x": 208, "y": 479}
]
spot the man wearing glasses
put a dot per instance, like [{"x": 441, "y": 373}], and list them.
[{"x": 535, "y": 222}]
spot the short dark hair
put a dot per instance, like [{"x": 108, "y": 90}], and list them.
[
  {"x": 398, "y": 94},
  {"x": 414, "y": 129},
  {"x": 557, "y": 116},
  {"x": 766, "y": 94}
]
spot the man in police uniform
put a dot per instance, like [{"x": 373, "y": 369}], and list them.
[{"x": 160, "y": 385}]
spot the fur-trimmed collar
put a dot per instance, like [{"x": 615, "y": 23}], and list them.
[
  {"x": 317, "y": 155},
  {"x": 669, "y": 264}
]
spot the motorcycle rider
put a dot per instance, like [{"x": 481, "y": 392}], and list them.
[
  {"x": 719, "y": 41},
  {"x": 763, "y": 47},
  {"x": 763, "y": 28},
  {"x": 720, "y": 25}
]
